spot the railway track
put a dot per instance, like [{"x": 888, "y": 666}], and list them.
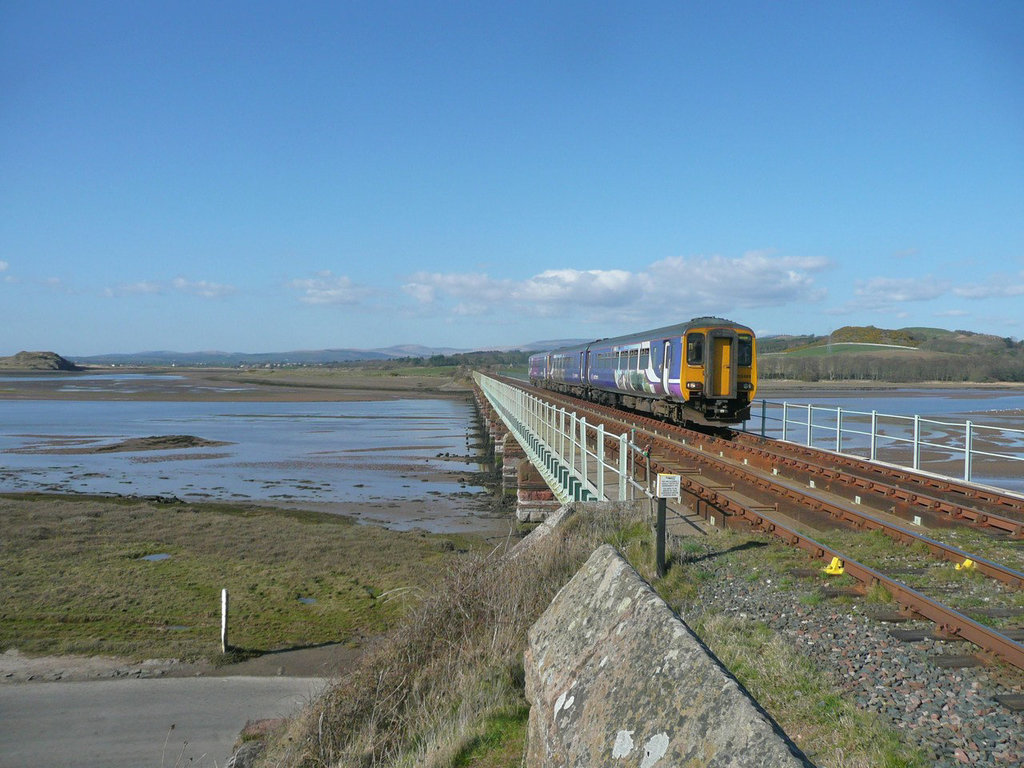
[{"x": 796, "y": 494}]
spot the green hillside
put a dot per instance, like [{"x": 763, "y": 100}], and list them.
[
  {"x": 870, "y": 335},
  {"x": 36, "y": 361},
  {"x": 911, "y": 354}
]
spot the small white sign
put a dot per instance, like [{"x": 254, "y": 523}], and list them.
[{"x": 669, "y": 486}]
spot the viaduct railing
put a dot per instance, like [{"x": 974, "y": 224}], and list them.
[
  {"x": 960, "y": 450},
  {"x": 579, "y": 461}
]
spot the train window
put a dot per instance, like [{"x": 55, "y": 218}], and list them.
[
  {"x": 745, "y": 350},
  {"x": 695, "y": 348},
  {"x": 645, "y": 359}
]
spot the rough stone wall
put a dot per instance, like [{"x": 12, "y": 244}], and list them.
[
  {"x": 615, "y": 678},
  {"x": 534, "y": 499}
]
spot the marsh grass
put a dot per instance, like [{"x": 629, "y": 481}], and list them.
[{"x": 73, "y": 580}]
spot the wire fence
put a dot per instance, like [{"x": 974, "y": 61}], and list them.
[
  {"x": 580, "y": 461},
  {"x": 962, "y": 450}
]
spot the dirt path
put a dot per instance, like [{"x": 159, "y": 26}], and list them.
[{"x": 325, "y": 661}]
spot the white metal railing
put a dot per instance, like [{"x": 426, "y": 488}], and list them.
[
  {"x": 961, "y": 450},
  {"x": 569, "y": 453}
]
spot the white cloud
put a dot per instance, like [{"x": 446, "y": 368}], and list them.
[
  {"x": 592, "y": 287},
  {"x": 327, "y": 288},
  {"x": 3, "y": 266},
  {"x": 755, "y": 279},
  {"x": 666, "y": 290},
  {"x": 998, "y": 287},
  {"x": 880, "y": 292},
  {"x": 202, "y": 288},
  {"x": 142, "y": 287}
]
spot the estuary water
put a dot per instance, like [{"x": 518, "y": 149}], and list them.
[
  {"x": 404, "y": 457},
  {"x": 401, "y": 463}
]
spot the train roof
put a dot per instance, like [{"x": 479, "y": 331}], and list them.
[{"x": 666, "y": 331}]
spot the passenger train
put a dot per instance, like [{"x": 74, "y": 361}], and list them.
[{"x": 703, "y": 371}]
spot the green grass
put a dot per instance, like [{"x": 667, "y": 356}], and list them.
[
  {"x": 801, "y": 697},
  {"x": 73, "y": 580},
  {"x": 502, "y": 742}
]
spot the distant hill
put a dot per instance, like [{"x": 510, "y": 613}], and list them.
[
  {"x": 851, "y": 352},
  {"x": 902, "y": 354},
  {"x": 871, "y": 335},
  {"x": 413, "y": 350},
  {"x": 232, "y": 359},
  {"x": 296, "y": 357},
  {"x": 37, "y": 361}
]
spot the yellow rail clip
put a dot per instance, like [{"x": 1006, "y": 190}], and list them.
[
  {"x": 835, "y": 568},
  {"x": 966, "y": 565}
]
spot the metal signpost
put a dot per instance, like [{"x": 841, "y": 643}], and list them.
[{"x": 669, "y": 487}]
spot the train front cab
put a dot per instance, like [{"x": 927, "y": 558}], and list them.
[{"x": 719, "y": 372}]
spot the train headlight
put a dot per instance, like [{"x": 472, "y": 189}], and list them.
[
  {"x": 694, "y": 386},
  {"x": 746, "y": 386}
]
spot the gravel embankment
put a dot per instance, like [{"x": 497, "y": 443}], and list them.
[{"x": 952, "y": 713}]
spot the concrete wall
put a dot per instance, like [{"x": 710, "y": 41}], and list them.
[{"x": 615, "y": 678}]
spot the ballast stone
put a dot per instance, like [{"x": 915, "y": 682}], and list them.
[{"x": 615, "y": 678}]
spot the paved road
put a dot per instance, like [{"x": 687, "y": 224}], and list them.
[{"x": 138, "y": 723}]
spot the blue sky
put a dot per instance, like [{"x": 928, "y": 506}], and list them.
[{"x": 273, "y": 176}]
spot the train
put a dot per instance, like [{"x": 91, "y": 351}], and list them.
[{"x": 703, "y": 371}]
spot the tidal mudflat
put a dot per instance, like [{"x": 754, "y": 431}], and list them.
[{"x": 408, "y": 460}]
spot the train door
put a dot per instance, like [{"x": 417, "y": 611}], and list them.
[
  {"x": 720, "y": 373},
  {"x": 666, "y": 371}
]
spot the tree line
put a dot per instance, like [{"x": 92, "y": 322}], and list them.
[{"x": 1007, "y": 366}]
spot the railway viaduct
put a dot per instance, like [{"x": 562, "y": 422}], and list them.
[
  {"x": 614, "y": 677},
  {"x": 872, "y": 482}
]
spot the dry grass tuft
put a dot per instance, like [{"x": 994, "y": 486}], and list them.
[{"x": 426, "y": 692}]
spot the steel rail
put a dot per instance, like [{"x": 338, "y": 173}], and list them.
[
  {"x": 809, "y": 462},
  {"x": 858, "y": 519},
  {"x": 849, "y": 516},
  {"x": 949, "y": 621},
  {"x": 946, "y": 485}
]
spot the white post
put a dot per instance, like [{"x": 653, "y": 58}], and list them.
[
  {"x": 625, "y": 459},
  {"x": 874, "y": 435},
  {"x": 917, "y": 442},
  {"x": 572, "y": 441},
  {"x": 839, "y": 430},
  {"x": 600, "y": 461},
  {"x": 968, "y": 447},
  {"x": 223, "y": 621},
  {"x": 561, "y": 433},
  {"x": 583, "y": 451}
]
